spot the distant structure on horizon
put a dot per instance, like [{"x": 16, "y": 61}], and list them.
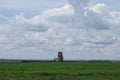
[{"x": 59, "y": 58}]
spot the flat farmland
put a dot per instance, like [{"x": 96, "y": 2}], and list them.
[{"x": 60, "y": 71}]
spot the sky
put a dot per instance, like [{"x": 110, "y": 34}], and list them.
[{"x": 39, "y": 29}]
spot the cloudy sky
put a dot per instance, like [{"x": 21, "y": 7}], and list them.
[{"x": 81, "y": 29}]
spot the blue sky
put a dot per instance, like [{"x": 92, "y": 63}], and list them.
[
  {"x": 38, "y": 29},
  {"x": 30, "y": 8}
]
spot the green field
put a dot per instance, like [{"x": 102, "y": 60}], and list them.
[{"x": 60, "y": 71}]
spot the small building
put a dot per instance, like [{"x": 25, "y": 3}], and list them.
[{"x": 59, "y": 58}]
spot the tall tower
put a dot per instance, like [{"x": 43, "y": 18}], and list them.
[{"x": 60, "y": 57}]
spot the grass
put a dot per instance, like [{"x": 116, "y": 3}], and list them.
[{"x": 60, "y": 71}]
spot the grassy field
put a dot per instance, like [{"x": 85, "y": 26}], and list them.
[{"x": 60, "y": 71}]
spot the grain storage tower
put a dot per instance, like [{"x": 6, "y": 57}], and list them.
[{"x": 60, "y": 57}]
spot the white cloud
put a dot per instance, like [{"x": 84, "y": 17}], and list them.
[
  {"x": 64, "y": 11},
  {"x": 2, "y": 38},
  {"x": 115, "y": 19},
  {"x": 3, "y": 17},
  {"x": 66, "y": 27},
  {"x": 100, "y": 8}
]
